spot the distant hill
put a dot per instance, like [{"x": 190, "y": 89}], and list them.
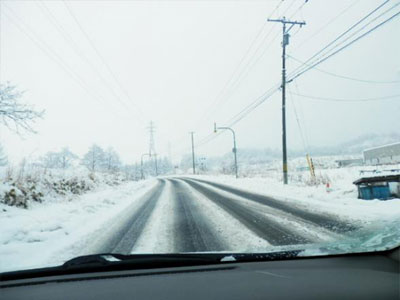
[
  {"x": 357, "y": 145},
  {"x": 352, "y": 148}
]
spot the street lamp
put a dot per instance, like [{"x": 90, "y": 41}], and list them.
[{"x": 234, "y": 150}]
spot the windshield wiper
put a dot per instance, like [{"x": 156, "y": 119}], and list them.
[{"x": 117, "y": 262}]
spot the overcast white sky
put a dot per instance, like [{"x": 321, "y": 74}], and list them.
[{"x": 172, "y": 59}]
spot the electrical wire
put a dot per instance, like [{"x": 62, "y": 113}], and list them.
[
  {"x": 344, "y": 47},
  {"x": 49, "y": 52},
  {"x": 217, "y": 99},
  {"x": 343, "y": 76},
  {"x": 64, "y": 33},
  {"x": 327, "y": 24},
  {"x": 348, "y": 30},
  {"x": 302, "y": 136},
  {"x": 344, "y": 100},
  {"x": 92, "y": 44},
  {"x": 256, "y": 103},
  {"x": 245, "y": 111}
]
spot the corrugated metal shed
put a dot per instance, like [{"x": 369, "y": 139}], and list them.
[
  {"x": 386, "y": 154},
  {"x": 378, "y": 187}
]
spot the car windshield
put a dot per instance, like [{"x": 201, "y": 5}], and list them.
[{"x": 172, "y": 127}]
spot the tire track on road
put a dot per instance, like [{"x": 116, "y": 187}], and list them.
[
  {"x": 192, "y": 232},
  {"x": 125, "y": 238},
  {"x": 328, "y": 222},
  {"x": 270, "y": 230}
]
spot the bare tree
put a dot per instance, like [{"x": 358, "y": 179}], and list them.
[
  {"x": 50, "y": 160},
  {"x": 94, "y": 158},
  {"x": 15, "y": 114},
  {"x": 112, "y": 161},
  {"x": 61, "y": 159},
  {"x": 66, "y": 157}
]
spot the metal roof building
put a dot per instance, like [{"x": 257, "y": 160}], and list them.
[{"x": 388, "y": 154}]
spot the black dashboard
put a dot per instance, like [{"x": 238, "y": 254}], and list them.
[{"x": 357, "y": 276}]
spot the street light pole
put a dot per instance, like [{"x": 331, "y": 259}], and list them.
[{"x": 234, "y": 150}]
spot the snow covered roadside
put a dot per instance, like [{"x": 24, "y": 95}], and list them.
[
  {"x": 51, "y": 232},
  {"x": 341, "y": 199},
  {"x": 378, "y": 221}
]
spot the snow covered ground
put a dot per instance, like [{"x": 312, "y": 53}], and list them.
[
  {"x": 61, "y": 227},
  {"x": 340, "y": 198},
  {"x": 49, "y": 233}
]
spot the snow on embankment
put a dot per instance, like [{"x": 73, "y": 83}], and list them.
[
  {"x": 54, "y": 229},
  {"x": 23, "y": 187}
]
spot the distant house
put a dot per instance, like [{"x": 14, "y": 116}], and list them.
[
  {"x": 349, "y": 162},
  {"x": 388, "y": 154}
]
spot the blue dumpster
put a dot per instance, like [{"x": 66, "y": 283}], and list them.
[{"x": 376, "y": 187}]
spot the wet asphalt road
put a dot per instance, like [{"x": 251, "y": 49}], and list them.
[{"x": 192, "y": 231}]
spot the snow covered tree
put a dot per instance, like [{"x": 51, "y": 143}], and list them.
[
  {"x": 13, "y": 113},
  {"x": 112, "y": 161},
  {"x": 3, "y": 157},
  {"x": 50, "y": 160},
  {"x": 60, "y": 160},
  {"x": 66, "y": 157},
  {"x": 94, "y": 158}
]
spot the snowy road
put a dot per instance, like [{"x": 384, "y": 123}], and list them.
[{"x": 192, "y": 215}]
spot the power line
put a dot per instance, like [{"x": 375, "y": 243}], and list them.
[
  {"x": 348, "y": 30},
  {"x": 346, "y": 99},
  {"x": 76, "y": 48},
  {"x": 242, "y": 114},
  {"x": 327, "y": 24},
  {"x": 343, "y": 34},
  {"x": 345, "y": 46},
  {"x": 298, "y": 121},
  {"x": 140, "y": 113},
  {"x": 217, "y": 100},
  {"x": 302, "y": 116},
  {"x": 343, "y": 76},
  {"x": 49, "y": 52},
  {"x": 251, "y": 63},
  {"x": 248, "y": 109},
  {"x": 264, "y": 97}
]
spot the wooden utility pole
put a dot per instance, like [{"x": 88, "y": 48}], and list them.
[{"x": 285, "y": 42}]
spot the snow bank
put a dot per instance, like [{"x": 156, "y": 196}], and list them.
[
  {"x": 24, "y": 186},
  {"x": 57, "y": 229}
]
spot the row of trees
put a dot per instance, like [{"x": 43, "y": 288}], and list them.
[
  {"x": 107, "y": 160},
  {"x": 96, "y": 159}
]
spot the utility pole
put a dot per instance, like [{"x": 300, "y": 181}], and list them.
[
  {"x": 194, "y": 164},
  {"x": 234, "y": 150},
  {"x": 285, "y": 42}
]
